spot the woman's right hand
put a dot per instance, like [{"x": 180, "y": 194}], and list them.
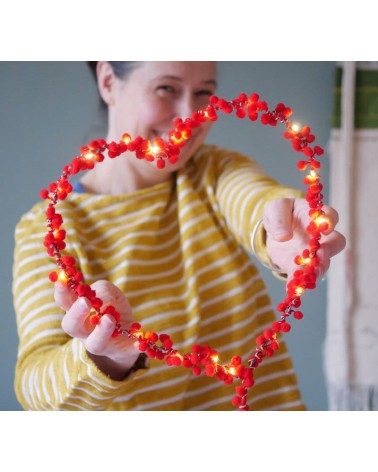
[{"x": 114, "y": 356}]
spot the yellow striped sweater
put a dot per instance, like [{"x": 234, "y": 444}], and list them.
[{"x": 179, "y": 252}]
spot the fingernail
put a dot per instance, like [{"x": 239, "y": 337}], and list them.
[
  {"x": 108, "y": 320},
  {"x": 83, "y": 304}
]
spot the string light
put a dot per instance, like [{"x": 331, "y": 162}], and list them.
[{"x": 201, "y": 359}]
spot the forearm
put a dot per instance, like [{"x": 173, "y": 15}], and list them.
[{"x": 63, "y": 378}]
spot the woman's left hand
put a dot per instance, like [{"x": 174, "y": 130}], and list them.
[{"x": 285, "y": 222}]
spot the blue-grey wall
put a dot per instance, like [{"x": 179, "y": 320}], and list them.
[{"x": 48, "y": 109}]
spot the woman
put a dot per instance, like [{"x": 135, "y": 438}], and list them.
[{"x": 169, "y": 248}]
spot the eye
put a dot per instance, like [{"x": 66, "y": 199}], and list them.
[
  {"x": 166, "y": 90},
  {"x": 204, "y": 93}
]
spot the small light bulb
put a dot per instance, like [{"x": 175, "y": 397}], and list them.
[
  {"x": 62, "y": 277},
  {"x": 295, "y": 127},
  {"x": 88, "y": 155},
  {"x": 321, "y": 219},
  {"x": 232, "y": 371},
  {"x": 215, "y": 358},
  {"x": 155, "y": 150}
]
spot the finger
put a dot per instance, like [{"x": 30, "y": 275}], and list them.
[
  {"x": 74, "y": 320},
  {"x": 332, "y": 217},
  {"x": 332, "y": 245},
  {"x": 110, "y": 294},
  {"x": 63, "y": 295},
  {"x": 99, "y": 338},
  {"x": 278, "y": 219},
  {"x": 104, "y": 291}
]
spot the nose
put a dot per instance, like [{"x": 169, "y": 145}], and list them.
[{"x": 185, "y": 106}]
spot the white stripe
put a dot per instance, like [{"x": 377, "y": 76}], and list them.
[
  {"x": 38, "y": 337},
  {"x": 286, "y": 405},
  {"x": 32, "y": 274},
  {"x": 33, "y": 288},
  {"x": 272, "y": 393},
  {"x": 64, "y": 406},
  {"x": 38, "y": 311},
  {"x": 39, "y": 321},
  {"x": 38, "y": 294},
  {"x": 241, "y": 306},
  {"x": 155, "y": 387},
  {"x": 213, "y": 402},
  {"x": 92, "y": 201},
  {"x": 161, "y": 402},
  {"x": 128, "y": 228}
]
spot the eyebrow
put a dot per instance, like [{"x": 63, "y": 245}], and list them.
[{"x": 179, "y": 79}]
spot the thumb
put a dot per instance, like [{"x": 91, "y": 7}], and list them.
[
  {"x": 63, "y": 295},
  {"x": 278, "y": 219}
]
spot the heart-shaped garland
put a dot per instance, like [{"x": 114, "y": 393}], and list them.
[{"x": 160, "y": 346}]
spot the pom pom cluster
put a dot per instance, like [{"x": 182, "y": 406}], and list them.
[{"x": 201, "y": 359}]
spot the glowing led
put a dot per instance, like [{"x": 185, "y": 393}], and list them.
[
  {"x": 88, "y": 155},
  {"x": 155, "y": 149},
  {"x": 321, "y": 219},
  {"x": 62, "y": 277},
  {"x": 215, "y": 358},
  {"x": 126, "y": 138},
  {"x": 295, "y": 127},
  {"x": 232, "y": 371},
  {"x": 299, "y": 291}
]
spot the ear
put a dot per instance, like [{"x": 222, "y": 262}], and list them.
[{"x": 106, "y": 82}]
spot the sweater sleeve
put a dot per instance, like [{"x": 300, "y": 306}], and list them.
[
  {"x": 53, "y": 371},
  {"x": 242, "y": 191}
]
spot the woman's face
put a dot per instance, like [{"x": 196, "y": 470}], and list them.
[{"x": 147, "y": 101}]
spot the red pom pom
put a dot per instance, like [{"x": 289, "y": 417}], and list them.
[
  {"x": 285, "y": 327},
  {"x": 276, "y": 326},
  {"x": 159, "y": 355},
  {"x": 307, "y": 151},
  {"x": 269, "y": 333},
  {"x": 151, "y": 353},
  {"x": 318, "y": 150},
  {"x": 241, "y": 113},
  {"x": 236, "y": 360},
  {"x": 186, "y": 363},
  {"x": 213, "y": 100},
  {"x": 196, "y": 370},
  {"x": 44, "y": 193},
  {"x": 53, "y": 276},
  {"x": 288, "y": 134},
  {"x": 298, "y": 315},
  {"x": 94, "y": 319},
  {"x": 167, "y": 343},
  {"x": 241, "y": 390},
  {"x": 68, "y": 260},
  {"x": 260, "y": 340},
  {"x": 236, "y": 401},
  {"x": 210, "y": 370},
  {"x": 195, "y": 358},
  {"x": 302, "y": 165}
]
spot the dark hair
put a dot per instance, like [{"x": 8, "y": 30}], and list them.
[{"x": 121, "y": 69}]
